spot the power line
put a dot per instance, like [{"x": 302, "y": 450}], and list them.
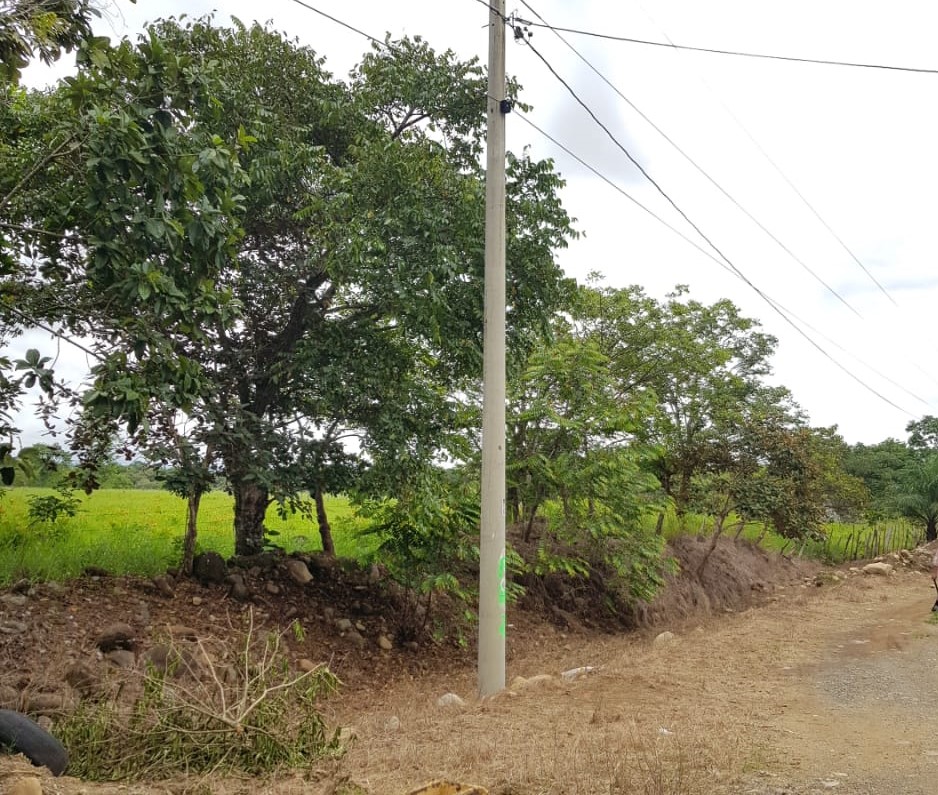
[
  {"x": 774, "y": 165},
  {"x": 340, "y": 22},
  {"x": 765, "y": 56},
  {"x": 619, "y": 189},
  {"x": 709, "y": 242},
  {"x": 706, "y": 175},
  {"x": 725, "y": 259}
]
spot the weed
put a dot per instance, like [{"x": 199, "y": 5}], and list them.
[{"x": 246, "y": 713}]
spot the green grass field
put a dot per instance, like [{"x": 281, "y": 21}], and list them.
[{"x": 140, "y": 532}]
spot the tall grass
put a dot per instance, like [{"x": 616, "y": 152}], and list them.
[{"x": 140, "y": 532}]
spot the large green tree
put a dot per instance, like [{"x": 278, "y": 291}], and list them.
[
  {"x": 256, "y": 245},
  {"x": 882, "y": 468}
]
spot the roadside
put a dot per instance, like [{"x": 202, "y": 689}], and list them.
[{"x": 830, "y": 685}]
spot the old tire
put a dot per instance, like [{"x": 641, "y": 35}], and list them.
[{"x": 22, "y": 735}]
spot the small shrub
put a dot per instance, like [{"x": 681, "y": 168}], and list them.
[
  {"x": 245, "y": 714},
  {"x": 48, "y": 509},
  {"x": 429, "y": 535}
]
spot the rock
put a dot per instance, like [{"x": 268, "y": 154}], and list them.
[
  {"x": 392, "y": 724},
  {"x": 14, "y": 599},
  {"x": 355, "y": 637},
  {"x": 328, "y": 613},
  {"x": 28, "y": 785},
  {"x": 9, "y": 627},
  {"x": 209, "y": 568},
  {"x": 881, "y": 569},
  {"x": 306, "y": 665},
  {"x": 323, "y": 565},
  {"x": 54, "y": 588},
  {"x": 272, "y": 588},
  {"x": 576, "y": 673},
  {"x": 384, "y": 642},
  {"x": 359, "y": 626},
  {"x": 116, "y": 636},
  {"x": 164, "y": 585},
  {"x": 122, "y": 658},
  {"x": 95, "y": 571},
  {"x": 237, "y": 589},
  {"x": 9, "y": 697},
  {"x": 44, "y": 702},
  {"x": 450, "y": 700},
  {"x": 343, "y": 624},
  {"x": 21, "y": 586},
  {"x": 196, "y": 601},
  {"x": 84, "y": 678},
  {"x": 298, "y": 571},
  {"x": 159, "y": 658},
  {"x": 520, "y": 683},
  {"x": 663, "y": 639}
]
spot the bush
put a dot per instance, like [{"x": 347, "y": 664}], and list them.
[
  {"x": 429, "y": 537},
  {"x": 248, "y": 714}
]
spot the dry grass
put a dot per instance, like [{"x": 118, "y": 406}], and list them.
[
  {"x": 620, "y": 730},
  {"x": 719, "y": 693}
]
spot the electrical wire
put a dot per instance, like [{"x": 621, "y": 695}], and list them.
[
  {"x": 774, "y": 165},
  {"x": 725, "y": 259},
  {"x": 619, "y": 189},
  {"x": 340, "y": 22},
  {"x": 58, "y": 334},
  {"x": 738, "y": 53},
  {"x": 707, "y": 239},
  {"x": 700, "y": 169}
]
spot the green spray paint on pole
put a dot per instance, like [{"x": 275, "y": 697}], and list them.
[{"x": 502, "y": 596}]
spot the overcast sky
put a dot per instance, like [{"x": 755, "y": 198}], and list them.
[{"x": 858, "y": 144}]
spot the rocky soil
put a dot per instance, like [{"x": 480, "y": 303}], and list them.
[{"x": 759, "y": 675}]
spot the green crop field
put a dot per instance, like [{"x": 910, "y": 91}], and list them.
[{"x": 140, "y": 532}]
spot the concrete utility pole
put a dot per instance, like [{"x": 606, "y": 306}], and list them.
[{"x": 492, "y": 624}]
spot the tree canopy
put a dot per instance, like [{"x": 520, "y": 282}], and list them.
[{"x": 252, "y": 243}]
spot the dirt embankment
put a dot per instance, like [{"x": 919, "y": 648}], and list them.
[{"x": 771, "y": 683}]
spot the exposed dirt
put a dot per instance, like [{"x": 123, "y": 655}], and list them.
[{"x": 772, "y": 684}]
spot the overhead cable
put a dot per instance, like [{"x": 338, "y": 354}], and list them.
[
  {"x": 706, "y": 238},
  {"x": 701, "y": 170},
  {"x": 738, "y": 53}
]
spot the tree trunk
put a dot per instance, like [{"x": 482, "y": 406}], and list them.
[
  {"x": 529, "y": 527},
  {"x": 717, "y": 532},
  {"x": 325, "y": 530},
  {"x": 188, "y": 543},
  {"x": 659, "y": 525},
  {"x": 682, "y": 499},
  {"x": 931, "y": 528},
  {"x": 513, "y": 504},
  {"x": 250, "y": 508}
]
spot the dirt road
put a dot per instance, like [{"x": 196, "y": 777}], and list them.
[{"x": 831, "y": 689}]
